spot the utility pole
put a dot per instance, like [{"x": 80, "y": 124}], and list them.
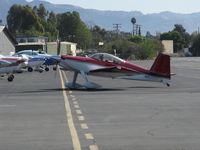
[
  {"x": 138, "y": 29},
  {"x": 139, "y": 32},
  {"x": 117, "y": 26}
]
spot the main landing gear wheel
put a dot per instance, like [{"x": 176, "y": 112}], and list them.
[
  {"x": 10, "y": 78},
  {"x": 46, "y": 69},
  {"x": 30, "y": 69}
]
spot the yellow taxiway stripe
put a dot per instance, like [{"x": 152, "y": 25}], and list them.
[
  {"x": 70, "y": 121},
  {"x": 89, "y": 136},
  {"x": 81, "y": 118},
  {"x": 93, "y": 147},
  {"x": 78, "y": 111},
  {"x": 84, "y": 126}
]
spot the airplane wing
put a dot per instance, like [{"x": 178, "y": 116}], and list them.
[{"x": 114, "y": 71}]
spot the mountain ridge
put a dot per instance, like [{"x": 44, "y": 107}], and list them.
[{"x": 153, "y": 22}]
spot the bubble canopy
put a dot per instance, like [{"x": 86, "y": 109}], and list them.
[{"x": 107, "y": 57}]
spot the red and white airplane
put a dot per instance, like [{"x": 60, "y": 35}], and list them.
[
  {"x": 107, "y": 65},
  {"x": 8, "y": 66}
]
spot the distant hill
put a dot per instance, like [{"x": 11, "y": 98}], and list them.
[{"x": 156, "y": 22}]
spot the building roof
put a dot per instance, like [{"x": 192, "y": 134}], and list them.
[
  {"x": 68, "y": 43},
  {"x": 8, "y": 34},
  {"x": 65, "y": 43},
  {"x": 1, "y": 28},
  {"x": 31, "y": 43}
]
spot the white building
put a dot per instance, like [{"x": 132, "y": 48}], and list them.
[
  {"x": 7, "y": 41},
  {"x": 66, "y": 48},
  {"x": 31, "y": 43},
  {"x": 168, "y": 46}
]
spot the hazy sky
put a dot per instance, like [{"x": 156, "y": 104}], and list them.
[{"x": 145, "y": 6}]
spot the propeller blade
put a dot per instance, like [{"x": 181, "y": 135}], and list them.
[{"x": 56, "y": 70}]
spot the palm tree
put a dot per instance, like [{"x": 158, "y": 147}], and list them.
[{"x": 133, "y": 20}]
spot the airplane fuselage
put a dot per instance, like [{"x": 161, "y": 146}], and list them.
[{"x": 125, "y": 70}]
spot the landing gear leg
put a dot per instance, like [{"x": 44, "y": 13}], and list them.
[
  {"x": 74, "y": 79},
  {"x": 88, "y": 84},
  {"x": 54, "y": 68},
  {"x": 73, "y": 84},
  {"x": 84, "y": 75}
]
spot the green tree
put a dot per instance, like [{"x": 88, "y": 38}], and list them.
[
  {"x": 42, "y": 12},
  {"x": 124, "y": 48},
  {"x": 148, "y": 35},
  {"x": 149, "y": 48},
  {"x": 136, "y": 39},
  {"x": 179, "y": 28},
  {"x": 195, "y": 48},
  {"x": 98, "y": 35},
  {"x": 21, "y": 18},
  {"x": 24, "y": 20},
  {"x": 71, "y": 28},
  {"x": 52, "y": 18},
  {"x": 98, "y": 30},
  {"x": 35, "y": 9}
]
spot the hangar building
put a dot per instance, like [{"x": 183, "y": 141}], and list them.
[{"x": 7, "y": 41}]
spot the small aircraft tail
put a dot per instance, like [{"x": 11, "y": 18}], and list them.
[{"x": 161, "y": 66}]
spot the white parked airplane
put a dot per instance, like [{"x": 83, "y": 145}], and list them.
[
  {"x": 8, "y": 66},
  {"x": 37, "y": 60}
]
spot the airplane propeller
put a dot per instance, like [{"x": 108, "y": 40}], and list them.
[
  {"x": 57, "y": 59},
  {"x": 55, "y": 70}
]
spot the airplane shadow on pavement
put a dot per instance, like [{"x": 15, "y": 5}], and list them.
[
  {"x": 90, "y": 90},
  {"x": 66, "y": 89}
]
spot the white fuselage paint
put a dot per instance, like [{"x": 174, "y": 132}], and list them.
[
  {"x": 36, "y": 64},
  {"x": 8, "y": 69},
  {"x": 74, "y": 65},
  {"x": 145, "y": 77},
  {"x": 7, "y": 66}
]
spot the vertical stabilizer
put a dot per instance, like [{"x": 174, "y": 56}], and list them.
[{"x": 161, "y": 66}]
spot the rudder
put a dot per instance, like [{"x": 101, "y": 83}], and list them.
[{"x": 161, "y": 66}]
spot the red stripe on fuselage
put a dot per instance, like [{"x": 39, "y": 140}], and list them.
[
  {"x": 16, "y": 63},
  {"x": 142, "y": 69},
  {"x": 135, "y": 67},
  {"x": 89, "y": 60},
  {"x": 126, "y": 64}
]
